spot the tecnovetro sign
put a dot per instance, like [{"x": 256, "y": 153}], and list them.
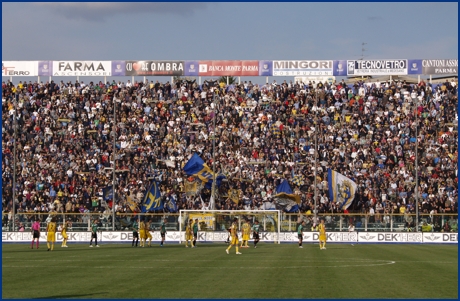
[
  {"x": 82, "y": 68},
  {"x": 302, "y": 68},
  {"x": 377, "y": 67}
]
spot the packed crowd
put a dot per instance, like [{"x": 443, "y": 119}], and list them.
[{"x": 264, "y": 133}]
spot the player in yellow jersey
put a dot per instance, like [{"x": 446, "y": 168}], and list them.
[
  {"x": 188, "y": 233},
  {"x": 51, "y": 237},
  {"x": 147, "y": 233},
  {"x": 246, "y": 229},
  {"x": 65, "y": 226},
  {"x": 322, "y": 235},
  {"x": 234, "y": 235},
  {"x": 142, "y": 234}
]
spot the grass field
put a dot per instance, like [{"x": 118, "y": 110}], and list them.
[{"x": 270, "y": 271}]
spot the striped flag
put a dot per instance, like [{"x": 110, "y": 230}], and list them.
[{"x": 341, "y": 189}]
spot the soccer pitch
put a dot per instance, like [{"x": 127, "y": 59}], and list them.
[{"x": 269, "y": 271}]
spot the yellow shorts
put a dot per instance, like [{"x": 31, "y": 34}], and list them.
[
  {"x": 189, "y": 237},
  {"x": 322, "y": 238},
  {"x": 64, "y": 235},
  {"x": 246, "y": 237},
  {"x": 51, "y": 237},
  {"x": 235, "y": 240},
  {"x": 142, "y": 234},
  {"x": 148, "y": 235}
]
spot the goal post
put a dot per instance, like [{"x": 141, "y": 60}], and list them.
[{"x": 220, "y": 220}]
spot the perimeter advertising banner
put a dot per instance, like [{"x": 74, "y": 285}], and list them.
[
  {"x": 440, "y": 66},
  {"x": 340, "y": 68},
  {"x": 228, "y": 68},
  {"x": 82, "y": 68},
  {"x": 118, "y": 68},
  {"x": 19, "y": 68},
  {"x": 155, "y": 68},
  {"x": 302, "y": 68},
  {"x": 221, "y": 236},
  {"x": 45, "y": 68},
  {"x": 265, "y": 68},
  {"x": 377, "y": 67},
  {"x": 414, "y": 66}
]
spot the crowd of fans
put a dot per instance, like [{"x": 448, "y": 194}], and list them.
[{"x": 264, "y": 133}]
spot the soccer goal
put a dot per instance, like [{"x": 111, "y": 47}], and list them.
[{"x": 220, "y": 220}]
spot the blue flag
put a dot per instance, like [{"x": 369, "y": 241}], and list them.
[
  {"x": 286, "y": 198},
  {"x": 171, "y": 204},
  {"x": 196, "y": 167},
  {"x": 107, "y": 193},
  {"x": 152, "y": 200},
  {"x": 341, "y": 189}
]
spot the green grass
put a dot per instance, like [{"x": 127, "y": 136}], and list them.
[{"x": 270, "y": 271}]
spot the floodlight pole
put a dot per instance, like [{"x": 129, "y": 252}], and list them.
[
  {"x": 213, "y": 187},
  {"x": 316, "y": 146},
  {"x": 114, "y": 160},
  {"x": 15, "y": 123},
  {"x": 416, "y": 165}
]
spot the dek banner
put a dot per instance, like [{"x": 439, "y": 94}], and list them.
[
  {"x": 155, "y": 68},
  {"x": 82, "y": 68},
  {"x": 377, "y": 67},
  {"x": 19, "y": 68}
]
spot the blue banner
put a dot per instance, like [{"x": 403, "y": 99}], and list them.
[
  {"x": 152, "y": 200},
  {"x": 414, "y": 67},
  {"x": 340, "y": 68},
  {"x": 191, "y": 68},
  {"x": 265, "y": 68}
]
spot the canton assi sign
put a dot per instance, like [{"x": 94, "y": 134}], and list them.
[
  {"x": 440, "y": 66},
  {"x": 82, "y": 68},
  {"x": 377, "y": 67}
]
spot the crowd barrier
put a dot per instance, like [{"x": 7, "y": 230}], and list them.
[{"x": 395, "y": 228}]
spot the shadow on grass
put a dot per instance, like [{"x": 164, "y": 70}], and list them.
[{"x": 70, "y": 296}]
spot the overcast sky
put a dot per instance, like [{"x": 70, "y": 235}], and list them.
[{"x": 228, "y": 31}]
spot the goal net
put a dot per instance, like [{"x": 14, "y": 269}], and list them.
[{"x": 218, "y": 221}]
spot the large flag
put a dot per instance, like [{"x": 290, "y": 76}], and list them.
[
  {"x": 131, "y": 203},
  {"x": 191, "y": 188},
  {"x": 234, "y": 195},
  {"x": 107, "y": 193},
  {"x": 152, "y": 200},
  {"x": 171, "y": 204},
  {"x": 286, "y": 198},
  {"x": 341, "y": 189},
  {"x": 196, "y": 167}
]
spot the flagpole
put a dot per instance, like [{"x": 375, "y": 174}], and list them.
[
  {"x": 416, "y": 165},
  {"x": 316, "y": 142},
  {"x": 15, "y": 122},
  {"x": 213, "y": 187},
  {"x": 114, "y": 160}
]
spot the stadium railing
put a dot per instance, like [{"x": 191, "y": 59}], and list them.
[{"x": 289, "y": 221}]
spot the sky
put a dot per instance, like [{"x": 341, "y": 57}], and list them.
[{"x": 229, "y": 31}]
